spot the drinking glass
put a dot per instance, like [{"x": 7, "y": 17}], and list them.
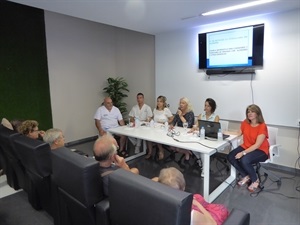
[{"x": 185, "y": 126}]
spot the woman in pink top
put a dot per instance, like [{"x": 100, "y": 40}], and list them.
[{"x": 202, "y": 212}]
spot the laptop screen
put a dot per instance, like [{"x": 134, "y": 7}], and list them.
[{"x": 211, "y": 128}]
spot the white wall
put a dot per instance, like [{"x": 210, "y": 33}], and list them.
[
  {"x": 275, "y": 87},
  {"x": 81, "y": 56}
]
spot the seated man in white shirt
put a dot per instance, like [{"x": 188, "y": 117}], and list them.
[
  {"x": 142, "y": 112},
  {"x": 109, "y": 116}
]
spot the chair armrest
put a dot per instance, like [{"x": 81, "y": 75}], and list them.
[
  {"x": 274, "y": 151},
  {"x": 102, "y": 212},
  {"x": 238, "y": 217}
]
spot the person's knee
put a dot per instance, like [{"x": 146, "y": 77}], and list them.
[{"x": 135, "y": 170}]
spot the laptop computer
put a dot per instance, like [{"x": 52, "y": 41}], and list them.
[{"x": 211, "y": 129}]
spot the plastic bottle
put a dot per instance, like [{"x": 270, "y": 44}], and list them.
[
  {"x": 137, "y": 122},
  {"x": 152, "y": 123},
  {"x": 166, "y": 126},
  {"x": 202, "y": 133},
  {"x": 220, "y": 135}
]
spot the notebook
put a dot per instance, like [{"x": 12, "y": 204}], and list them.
[{"x": 211, "y": 129}]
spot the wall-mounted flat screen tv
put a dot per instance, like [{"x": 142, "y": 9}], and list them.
[{"x": 232, "y": 49}]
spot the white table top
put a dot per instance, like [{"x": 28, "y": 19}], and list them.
[{"x": 159, "y": 134}]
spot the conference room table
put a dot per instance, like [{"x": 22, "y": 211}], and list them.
[{"x": 189, "y": 141}]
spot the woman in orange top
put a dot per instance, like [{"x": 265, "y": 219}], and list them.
[{"x": 255, "y": 147}]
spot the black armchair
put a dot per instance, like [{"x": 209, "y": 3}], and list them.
[
  {"x": 136, "y": 200},
  {"x": 79, "y": 189},
  {"x": 35, "y": 157},
  {"x": 12, "y": 166}
]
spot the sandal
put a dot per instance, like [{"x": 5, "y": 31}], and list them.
[
  {"x": 245, "y": 180},
  {"x": 124, "y": 154},
  {"x": 254, "y": 186}
]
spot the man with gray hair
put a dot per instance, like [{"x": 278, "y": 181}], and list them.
[
  {"x": 105, "y": 151},
  {"x": 55, "y": 138}
]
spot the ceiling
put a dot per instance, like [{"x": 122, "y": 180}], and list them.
[{"x": 156, "y": 16}]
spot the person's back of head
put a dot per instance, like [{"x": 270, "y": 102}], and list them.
[
  {"x": 55, "y": 138},
  {"x": 29, "y": 128},
  {"x": 172, "y": 177},
  {"x": 16, "y": 123},
  {"x": 104, "y": 148}
]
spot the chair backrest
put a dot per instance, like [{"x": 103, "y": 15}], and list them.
[
  {"x": 224, "y": 125},
  {"x": 34, "y": 154},
  {"x": 79, "y": 186},
  {"x": 36, "y": 159},
  {"x": 11, "y": 165},
  {"x": 136, "y": 200},
  {"x": 272, "y": 131}
]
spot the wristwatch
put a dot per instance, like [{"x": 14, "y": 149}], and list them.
[{"x": 244, "y": 153}]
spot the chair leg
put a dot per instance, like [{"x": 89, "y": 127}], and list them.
[
  {"x": 271, "y": 175},
  {"x": 259, "y": 169}
]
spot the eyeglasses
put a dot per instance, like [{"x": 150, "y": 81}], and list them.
[{"x": 172, "y": 133}]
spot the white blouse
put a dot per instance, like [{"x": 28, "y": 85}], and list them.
[{"x": 161, "y": 116}]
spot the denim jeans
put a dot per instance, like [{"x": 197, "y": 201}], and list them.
[{"x": 245, "y": 164}]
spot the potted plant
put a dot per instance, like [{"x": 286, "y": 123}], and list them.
[{"x": 116, "y": 90}]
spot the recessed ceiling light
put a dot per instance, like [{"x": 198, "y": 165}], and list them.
[{"x": 249, "y": 4}]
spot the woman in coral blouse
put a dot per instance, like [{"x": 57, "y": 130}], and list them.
[{"x": 255, "y": 147}]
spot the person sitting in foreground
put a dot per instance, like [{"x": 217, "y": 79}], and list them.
[
  {"x": 255, "y": 147},
  {"x": 105, "y": 151},
  {"x": 30, "y": 129},
  {"x": 55, "y": 138},
  {"x": 202, "y": 212}
]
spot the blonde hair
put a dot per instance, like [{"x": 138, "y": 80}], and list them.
[
  {"x": 163, "y": 99},
  {"x": 188, "y": 102},
  {"x": 257, "y": 110},
  {"x": 172, "y": 177}
]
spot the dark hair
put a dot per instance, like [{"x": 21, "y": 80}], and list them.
[
  {"x": 140, "y": 94},
  {"x": 16, "y": 123},
  {"x": 212, "y": 104}
]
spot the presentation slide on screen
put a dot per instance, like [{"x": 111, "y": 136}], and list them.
[{"x": 230, "y": 48}]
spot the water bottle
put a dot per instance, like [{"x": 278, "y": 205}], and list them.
[
  {"x": 202, "y": 133},
  {"x": 152, "y": 123},
  {"x": 166, "y": 126},
  {"x": 220, "y": 135},
  {"x": 137, "y": 122}
]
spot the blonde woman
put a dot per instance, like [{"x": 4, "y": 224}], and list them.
[
  {"x": 161, "y": 114},
  {"x": 184, "y": 114}
]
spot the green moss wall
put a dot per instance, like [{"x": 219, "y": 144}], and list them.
[{"x": 24, "y": 82}]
